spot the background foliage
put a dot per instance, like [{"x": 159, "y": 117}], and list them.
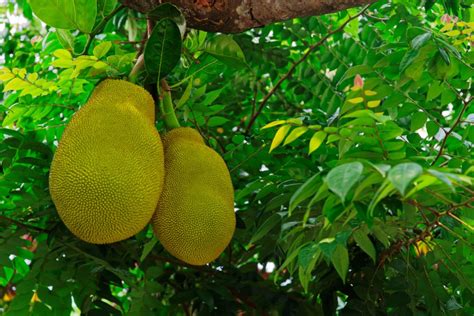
[{"x": 348, "y": 136}]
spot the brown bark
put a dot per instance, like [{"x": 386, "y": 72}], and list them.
[{"x": 233, "y": 16}]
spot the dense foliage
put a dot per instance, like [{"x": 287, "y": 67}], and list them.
[{"x": 348, "y": 136}]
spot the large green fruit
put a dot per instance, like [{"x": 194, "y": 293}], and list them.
[
  {"x": 195, "y": 217},
  {"x": 108, "y": 171}
]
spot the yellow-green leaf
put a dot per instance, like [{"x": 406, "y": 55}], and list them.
[
  {"x": 373, "y": 104},
  {"x": 297, "y": 121},
  {"x": 297, "y": 132},
  {"x": 279, "y": 136},
  {"x": 453, "y": 33},
  {"x": 447, "y": 27},
  {"x": 316, "y": 141},
  {"x": 63, "y": 63},
  {"x": 15, "y": 85},
  {"x": 62, "y": 54},
  {"x": 32, "y": 77},
  {"x": 99, "y": 65},
  {"x": 274, "y": 123},
  {"x": 102, "y": 49},
  {"x": 20, "y": 72},
  {"x": 370, "y": 93},
  {"x": 356, "y": 100},
  {"x": 5, "y": 74}
]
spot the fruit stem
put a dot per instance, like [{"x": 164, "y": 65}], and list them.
[
  {"x": 166, "y": 106},
  {"x": 133, "y": 76}
]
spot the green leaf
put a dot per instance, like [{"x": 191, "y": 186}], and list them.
[
  {"x": 434, "y": 91},
  {"x": 432, "y": 128},
  {"x": 418, "y": 120},
  {"x": 443, "y": 177},
  {"x": 105, "y": 7},
  {"x": 403, "y": 175},
  {"x": 102, "y": 49},
  {"x": 169, "y": 11},
  {"x": 297, "y": 132},
  {"x": 266, "y": 227},
  {"x": 67, "y": 14},
  {"x": 148, "y": 248},
  {"x": 163, "y": 49},
  {"x": 342, "y": 178},
  {"x": 385, "y": 189},
  {"x": 381, "y": 235},
  {"x": 186, "y": 94},
  {"x": 340, "y": 261},
  {"x": 420, "y": 40},
  {"x": 224, "y": 48},
  {"x": 445, "y": 55},
  {"x": 332, "y": 208},
  {"x": 307, "y": 258},
  {"x": 316, "y": 141},
  {"x": 308, "y": 189},
  {"x": 355, "y": 70},
  {"x": 364, "y": 242},
  {"x": 279, "y": 136},
  {"x": 66, "y": 39},
  {"x": 408, "y": 59},
  {"x": 217, "y": 121}
]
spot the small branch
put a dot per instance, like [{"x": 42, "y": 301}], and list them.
[
  {"x": 451, "y": 130},
  {"x": 246, "y": 301},
  {"x": 186, "y": 309},
  {"x": 132, "y": 77},
  {"x": 25, "y": 226},
  {"x": 460, "y": 221},
  {"x": 99, "y": 28},
  {"x": 311, "y": 49}
]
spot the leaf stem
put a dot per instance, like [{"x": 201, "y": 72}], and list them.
[
  {"x": 139, "y": 65},
  {"x": 310, "y": 50},
  {"x": 166, "y": 106},
  {"x": 99, "y": 28}
]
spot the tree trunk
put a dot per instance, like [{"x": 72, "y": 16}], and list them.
[{"x": 233, "y": 16}]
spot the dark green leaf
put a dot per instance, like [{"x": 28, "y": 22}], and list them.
[
  {"x": 340, "y": 261},
  {"x": 266, "y": 227},
  {"x": 420, "y": 40},
  {"x": 163, "y": 49},
  {"x": 308, "y": 189},
  {"x": 169, "y": 11}
]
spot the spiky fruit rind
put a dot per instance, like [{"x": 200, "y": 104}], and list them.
[
  {"x": 195, "y": 217},
  {"x": 108, "y": 171}
]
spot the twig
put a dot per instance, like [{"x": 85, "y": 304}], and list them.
[
  {"x": 451, "y": 130},
  {"x": 311, "y": 49},
  {"x": 20, "y": 224},
  {"x": 99, "y": 28},
  {"x": 245, "y": 300}
]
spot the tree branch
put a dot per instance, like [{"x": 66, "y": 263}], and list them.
[
  {"x": 233, "y": 16},
  {"x": 466, "y": 104},
  {"x": 311, "y": 49},
  {"x": 22, "y": 225}
]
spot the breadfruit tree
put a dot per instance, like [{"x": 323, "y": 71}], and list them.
[{"x": 236, "y": 157}]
